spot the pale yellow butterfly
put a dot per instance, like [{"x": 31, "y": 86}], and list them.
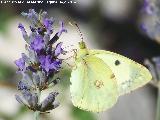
[{"x": 100, "y": 77}]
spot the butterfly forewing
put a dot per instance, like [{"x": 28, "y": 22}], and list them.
[{"x": 129, "y": 74}]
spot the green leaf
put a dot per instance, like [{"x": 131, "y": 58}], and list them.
[{"x": 79, "y": 114}]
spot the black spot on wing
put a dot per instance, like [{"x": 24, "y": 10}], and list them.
[{"x": 117, "y": 62}]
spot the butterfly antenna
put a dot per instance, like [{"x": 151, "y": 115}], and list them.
[{"x": 81, "y": 35}]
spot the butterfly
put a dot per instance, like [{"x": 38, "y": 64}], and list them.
[{"x": 100, "y": 77}]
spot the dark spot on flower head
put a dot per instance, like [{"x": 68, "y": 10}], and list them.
[
  {"x": 22, "y": 86},
  {"x": 49, "y": 49},
  {"x": 32, "y": 29},
  {"x": 31, "y": 69},
  {"x": 41, "y": 30},
  {"x": 20, "y": 26},
  {"x": 117, "y": 62}
]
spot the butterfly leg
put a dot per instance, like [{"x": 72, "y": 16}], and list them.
[{"x": 70, "y": 66}]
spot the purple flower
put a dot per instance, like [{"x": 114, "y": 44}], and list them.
[
  {"x": 20, "y": 64},
  {"x": 149, "y": 7},
  {"x": 154, "y": 67},
  {"x": 62, "y": 29},
  {"x": 18, "y": 98},
  {"x": 143, "y": 27},
  {"x": 41, "y": 63},
  {"x": 32, "y": 16},
  {"x": 48, "y": 64},
  {"x": 37, "y": 43},
  {"x": 22, "y": 86},
  {"x": 24, "y": 33},
  {"x": 58, "y": 49},
  {"x": 48, "y": 23},
  {"x": 56, "y": 64},
  {"x": 32, "y": 29},
  {"x": 31, "y": 98},
  {"x": 47, "y": 103}
]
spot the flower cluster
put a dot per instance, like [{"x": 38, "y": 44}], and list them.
[
  {"x": 151, "y": 22},
  {"x": 39, "y": 66},
  {"x": 154, "y": 68}
]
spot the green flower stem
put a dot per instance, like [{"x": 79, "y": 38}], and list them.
[
  {"x": 37, "y": 113},
  {"x": 158, "y": 105}
]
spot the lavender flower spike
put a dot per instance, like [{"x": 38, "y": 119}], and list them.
[{"x": 41, "y": 64}]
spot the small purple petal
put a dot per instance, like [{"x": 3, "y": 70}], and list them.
[
  {"x": 143, "y": 27},
  {"x": 27, "y": 96},
  {"x": 36, "y": 79},
  {"x": 49, "y": 100},
  {"x": 18, "y": 98},
  {"x": 148, "y": 7},
  {"x": 25, "y": 58},
  {"x": 37, "y": 43},
  {"x": 44, "y": 15},
  {"x": 22, "y": 86},
  {"x": 43, "y": 78},
  {"x": 55, "y": 65},
  {"x": 32, "y": 16},
  {"x": 24, "y": 33},
  {"x": 48, "y": 23},
  {"x": 31, "y": 98},
  {"x": 42, "y": 60},
  {"x": 58, "y": 49},
  {"x": 62, "y": 29},
  {"x": 32, "y": 29},
  {"x": 34, "y": 100},
  {"x": 45, "y": 62},
  {"x": 20, "y": 63},
  {"x": 48, "y": 64}
]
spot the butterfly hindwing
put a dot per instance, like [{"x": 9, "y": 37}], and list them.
[
  {"x": 129, "y": 74},
  {"x": 93, "y": 86}
]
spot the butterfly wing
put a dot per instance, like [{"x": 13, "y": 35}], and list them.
[
  {"x": 93, "y": 86},
  {"x": 129, "y": 74}
]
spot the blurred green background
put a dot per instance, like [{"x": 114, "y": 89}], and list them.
[{"x": 106, "y": 24}]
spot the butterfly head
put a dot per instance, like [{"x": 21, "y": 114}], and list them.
[
  {"x": 82, "y": 45},
  {"x": 83, "y": 51}
]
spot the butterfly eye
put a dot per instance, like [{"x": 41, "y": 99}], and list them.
[{"x": 117, "y": 62}]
